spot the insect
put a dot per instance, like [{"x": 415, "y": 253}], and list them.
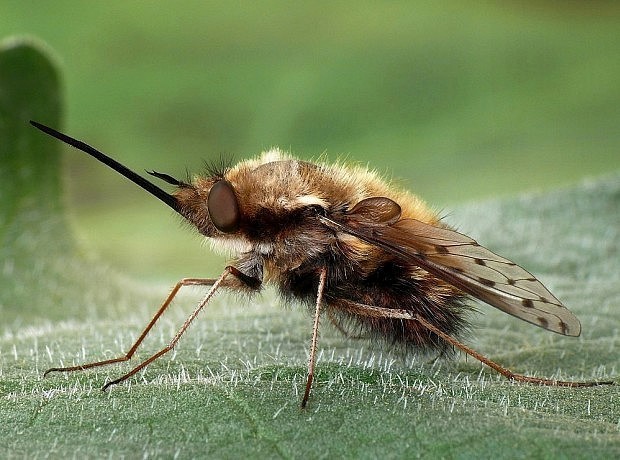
[{"x": 341, "y": 241}]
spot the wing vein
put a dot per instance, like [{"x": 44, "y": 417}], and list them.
[{"x": 470, "y": 267}]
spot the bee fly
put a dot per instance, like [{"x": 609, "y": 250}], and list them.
[{"x": 340, "y": 240}]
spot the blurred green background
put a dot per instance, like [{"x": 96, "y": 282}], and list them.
[{"x": 458, "y": 100}]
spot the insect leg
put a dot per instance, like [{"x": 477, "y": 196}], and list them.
[
  {"x": 499, "y": 368},
  {"x": 315, "y": 337},
  {"x": 221, "y": 281},
  {"x": 378, "y": 312},
  {"x": 149, "y": 326}
]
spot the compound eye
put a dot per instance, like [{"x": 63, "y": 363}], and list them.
[{"x": 223, "y": 207}]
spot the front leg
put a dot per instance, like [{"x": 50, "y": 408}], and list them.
[{"x": 231, "y": 278}]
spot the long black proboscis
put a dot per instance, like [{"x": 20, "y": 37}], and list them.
[{"x": 115, "y": 165}]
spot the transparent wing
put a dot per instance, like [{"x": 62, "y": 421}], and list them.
[{"x": 462, "y": 262}]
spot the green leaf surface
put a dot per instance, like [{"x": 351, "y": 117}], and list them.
[{"x": 233, "y": 385}]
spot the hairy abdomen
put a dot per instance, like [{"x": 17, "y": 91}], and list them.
[{"x": 392, "y": 285}]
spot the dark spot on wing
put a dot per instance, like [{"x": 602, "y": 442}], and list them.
[
  {"x": 441, "y": 250},
  {"x": 543, "y": 322},
  {"x": 527, "y": 303},
  {"x": 486, "y": 282}
]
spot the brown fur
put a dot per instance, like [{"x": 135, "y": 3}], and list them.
[{"x": 281, "y": 241}]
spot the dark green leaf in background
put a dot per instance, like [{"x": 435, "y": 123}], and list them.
[
  {"x": 33, "y": 228},
  {"x": 40, "y": 264}
]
